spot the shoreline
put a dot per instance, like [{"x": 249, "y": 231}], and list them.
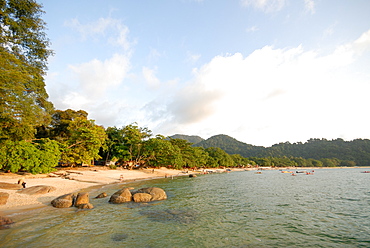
[{"x": 75, "y": 180}]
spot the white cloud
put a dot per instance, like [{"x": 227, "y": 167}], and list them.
[
  {"x": 252, "y": 29},
  {"x": 192, "y": 57},
  {"x": 150, "y": 77},
  {"x": 273, "y": 95},
  {"x": 116, "y": 32},
  {"x": 309, "y": 6},
  {"x": 95, "y": 77},
  {"x": 265, "y": 5}
]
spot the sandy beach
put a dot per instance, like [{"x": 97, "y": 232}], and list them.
[{"x": 71, "y": 180}]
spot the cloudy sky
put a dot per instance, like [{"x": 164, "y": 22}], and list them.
[{"x": 261, "y": 71}]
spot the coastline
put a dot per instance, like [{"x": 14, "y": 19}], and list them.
[
  {"x": 75, "y": 180},
  {"x": 72, "y": 180}
]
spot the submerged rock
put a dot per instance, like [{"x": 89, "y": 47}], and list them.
[
  {"x": 5, "y": 222},
  {"x": 85, "y": 206},
  {"x": 101, "y": 195},
  {"x": 119, "y": 236}
]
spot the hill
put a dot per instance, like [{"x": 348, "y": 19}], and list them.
[
  {"x": 190, "y": 138},
  {"x": 357, "y": 150},
  {"x": 231, "y": 145}
]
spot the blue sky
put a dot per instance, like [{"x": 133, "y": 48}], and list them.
[{"x": 261, "y": 71}]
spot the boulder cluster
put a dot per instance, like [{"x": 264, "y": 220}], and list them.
[
  {"x": 81, "y": 200},
  {"x": 141, "y": 195}
]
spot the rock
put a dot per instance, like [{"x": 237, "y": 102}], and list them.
[
  {"x": 121, "y": 196},
  {"x": 192, "y": 175},
  {"x": 85, "y": 206},
  {"x": 82, "y": 198},
  {"x": 10, "y": 186},
  {"x": 142, "y": 197},
  {"x": 37, "y": 190},
  {"x": 102, "y": 195},
  {"x": 4, "y": 221},
  {"x": 3, "y": 198},
  {"x": 64, "y": 201},
  {"x": 157, "y": 194}
]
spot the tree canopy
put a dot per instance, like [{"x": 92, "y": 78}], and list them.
[{"x": 24, "y": 52}]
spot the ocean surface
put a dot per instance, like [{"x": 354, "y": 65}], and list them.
[{"x": 330, "y": 208}]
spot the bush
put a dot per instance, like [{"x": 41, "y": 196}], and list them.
[{"x": 35, "y": 158}]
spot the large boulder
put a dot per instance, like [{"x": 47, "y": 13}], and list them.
[
  {"x": 3, "y": 198},
  {"x": 157, "y": 194},
  {"x": 37, "y": 190},
  {"x": 64, "y": 201},
  {"x": 121, "y": 196},
  {"x": 142, "y": 197},
  {"x": 82, "y": 198},
  {"x": 10, "y": 186}
]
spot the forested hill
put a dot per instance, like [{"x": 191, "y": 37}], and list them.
[
  {"x": 190, "y": 138},
  {"x": 357, "y": 150},
  {"x": 232, "y": 146}
]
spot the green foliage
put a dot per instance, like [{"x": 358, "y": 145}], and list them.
[
  {"x": 190, "y": 138},
  {"x": 84, "y": 141},
  {"x": 23, "y": 55},
  {"x": 160, "y": 152},
  {"x": 36, "y": 158},
  {"x": 219, "y": 158}
]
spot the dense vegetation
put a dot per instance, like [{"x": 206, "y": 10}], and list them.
[
  {"x": 330, "y": 152},
  {"x": 35, "y": 137}
]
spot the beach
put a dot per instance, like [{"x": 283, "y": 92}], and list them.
[{"x": 71, "y": 180}]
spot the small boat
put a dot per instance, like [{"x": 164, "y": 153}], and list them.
[
  {"x": 365, "y": 171},
  {"x": 287, "y": 172}
]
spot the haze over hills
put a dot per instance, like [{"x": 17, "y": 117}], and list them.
[
  {"x": 190, "y": 138},
  {"x": 357, "y": 150}
]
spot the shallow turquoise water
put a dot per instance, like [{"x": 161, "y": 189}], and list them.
[{"x": 238, "y": 209}]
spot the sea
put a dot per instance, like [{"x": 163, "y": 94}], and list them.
[{"x": 329, "y": 208}]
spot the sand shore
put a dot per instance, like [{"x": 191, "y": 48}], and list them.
[{"x": 71, "y": 181}]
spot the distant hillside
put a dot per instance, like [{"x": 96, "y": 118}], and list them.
[
  {"x": 231, "y": 146},
  {"x": 190, "y": 138},
  {"x": 357, "y": 150}
]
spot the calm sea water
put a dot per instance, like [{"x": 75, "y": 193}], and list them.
[{"x": 240, "y": 209}]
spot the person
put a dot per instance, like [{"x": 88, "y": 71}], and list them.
[
  {"x": 24, "y": 184},
  {"x": 121, "y": 178}
]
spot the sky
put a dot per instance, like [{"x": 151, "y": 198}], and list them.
[{"x": 260, "y": 71}]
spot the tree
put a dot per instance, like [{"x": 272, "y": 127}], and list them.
[
  {"x": 219, "y": 158},
  {"x": 84, "y": 142},
  {"x": 60, "y": 122},
  {"x": 115, "y": 145},
  {"x": 40, "y": 157},
  {"x": 133, "y": 138},
  {"x": 160, "y": 152},
  {"x": 23, "y": 56}
]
